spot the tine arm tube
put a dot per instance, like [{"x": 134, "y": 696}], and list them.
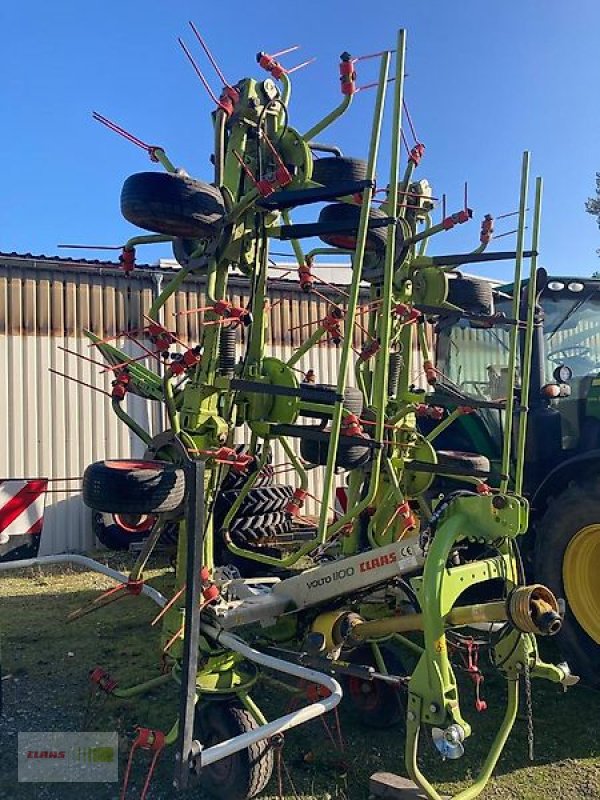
[{"x": 82, "y": 561}]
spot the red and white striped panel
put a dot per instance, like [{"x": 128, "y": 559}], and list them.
[
  {"x": 21, "y": 507},
  {"x": 341, "y": 502}
]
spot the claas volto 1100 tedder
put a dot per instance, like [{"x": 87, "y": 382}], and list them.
[{"x": 402, "y": 563}]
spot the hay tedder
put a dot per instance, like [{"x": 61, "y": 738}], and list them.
[{"x": 403, "y": 564}]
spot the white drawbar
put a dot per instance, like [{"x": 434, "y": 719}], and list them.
[{"x": 223, "y": 749}]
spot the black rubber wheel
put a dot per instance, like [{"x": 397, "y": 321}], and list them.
[
  {"x": 259, "y": 500},
  {"x": 174, "y": 205},
  {"x": 115, "y": 536},
  {"x": 182, "y": 252},
  {"x": 350, "y": 214},
  {"x": 133, "y": 487},
  {"x": 576, "y": 508},
  {"x": 456, "y": 458},
  {"x": 378, "y": 704},
  {"x": 353, "y": 399},
  {"x": 331, "y": 170},
  {"x": 242, "y": 775},
  {"x": 348, "y": 456},
  {"x": 471, "y": 294}
]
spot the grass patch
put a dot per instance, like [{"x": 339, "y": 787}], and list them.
[{"x": 48, "y": 661}]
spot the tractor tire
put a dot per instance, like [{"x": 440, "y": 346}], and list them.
[
  {"x": 242, "y": 775},
  {"x": 471, "y": 294},
  {"x": 133, "y": 487},
  {"x": 350, "y": 214},
  {"x": 567, "y": 549},
  {"x": 259, "y": 500},
  {"x": 353, "y": 399},
  {"x": 332, "y": 170},
  {"x": 250, "y": 532},
  {"x": 455, "y": 458},
  {"x": 378, "y": 704},
  {"x": 174, "y": 205},
  {"x": 347, "y": 457}
]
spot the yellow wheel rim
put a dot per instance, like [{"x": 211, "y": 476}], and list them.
[{"x": 581, "y": 577}]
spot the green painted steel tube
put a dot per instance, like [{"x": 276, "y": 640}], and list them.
[
  {"x": 163, "y": 159},
  {"x": 304, "y": 348},
  {"x": 172, "y": 412},
  {"x": 443, "y": 425},
  {"x": 432, "y": 599},
  {"x": 298, "y": 468},
  {"x": 494, "y": 611},
  {"x": 296, "y": 246},
  {"x": 220, "y": 122},
  {"x": 380, "y": 380},
  {"x": 286, "y": 91},
  {"x": 169, "y": 289},
  {"x": 256, "y": 343},
  {"x": 412, "y": 744},
  {"x": 404, "y": 641},
  {"x": 130, "y": 422},
  {"x": 154, "y": 238},
  {"x": 172, "y": 735},
  {"x": 141, "y": 688},
  {"x": 514, "y": 333},
  {"x": 357, "y": 263},
  {"x": 328, "y": 251},
  {"x": 328, "y": 119},
  {"x": 527, "y": 350},
  {"x": 251, "y": 706}
]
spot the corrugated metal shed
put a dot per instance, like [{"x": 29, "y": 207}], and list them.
[{"x": 54, "y": 427}]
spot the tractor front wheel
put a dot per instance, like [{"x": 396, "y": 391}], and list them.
[
  {"x": 567, "y": 560},
  {"x": 244, "y": 774}
]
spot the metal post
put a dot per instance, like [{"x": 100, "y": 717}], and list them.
[
  {"x": 527, "y": 350},
  {"x": 194, "y": 526},
  {"x": 357, "y": 262}
]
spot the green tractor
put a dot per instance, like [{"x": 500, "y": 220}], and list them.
[{"x": 562, "y": 457}]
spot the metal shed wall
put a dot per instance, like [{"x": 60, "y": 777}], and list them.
[{"x": 54, "y": 427}]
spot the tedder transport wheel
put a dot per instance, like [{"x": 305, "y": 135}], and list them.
[
  {"x": 471, "y": 294},
  {"x": 133, "y": 487},
  {"x": 119, "y": 531},
  {"x": 480, "y": 465},
  {"x": 343, "y": 212},
  {"x": 332, "y": 170},
  {"x": 174, "y": 205},
  {"x": 353, "y": 399},
  {"x": 244, "y": 774},
  {"x": 378, "y": 704},
  {"x": 567, "y": 560}
]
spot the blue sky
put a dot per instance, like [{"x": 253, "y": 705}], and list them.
[{"x": 485, "y": 81}]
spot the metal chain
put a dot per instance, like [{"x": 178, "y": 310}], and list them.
[{"x": 528, "y": 710}]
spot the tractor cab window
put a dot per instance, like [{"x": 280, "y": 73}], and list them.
[
  {"x": 475, "y": 359},
  {"x": 572, "y": 331}
]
